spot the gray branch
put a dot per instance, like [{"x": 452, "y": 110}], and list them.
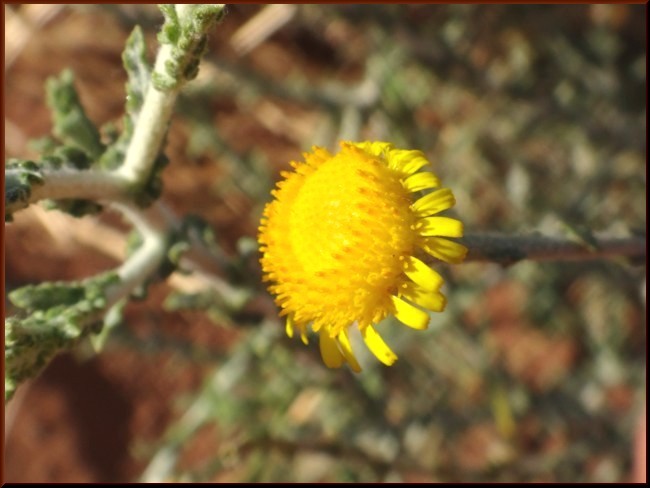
[{"x": 510, "y": 249}]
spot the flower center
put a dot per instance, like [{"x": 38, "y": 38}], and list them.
[{"x": 351, "y": 228}]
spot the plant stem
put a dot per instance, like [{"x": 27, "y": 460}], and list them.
[
  {"x": 68, "y": 183},
  {"x": 509, "y": 249},
  {"x": 150, "y": 130},
  {"x": 145, "y": 260},
  {"x": 157, "y": 109}
]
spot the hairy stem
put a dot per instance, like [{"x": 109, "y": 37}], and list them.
[
  {"x": 149, "y": 133},
  {"x": 70, "y": 183},
  {"x": 147, "y": 258},
  {"x": 157, "y": 109}
]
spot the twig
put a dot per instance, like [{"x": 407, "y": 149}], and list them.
[
  {"x": 509, "y": 249},
  {"x": 262, "y": 26}
]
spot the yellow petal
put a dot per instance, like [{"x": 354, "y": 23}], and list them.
[
  {"x": 410, "y": 315},
  {"x": 440, "y": 226},
  {"x": 377, "y": 345},
  {"x": 421, "y": 181},
  {"x": 346, "y": 349},
  {"x": 329, "y": 351},
  {"x": 374, "y": 148},
  {"x": 431, "y": 300},
  {"x": 434, "y": 202},
  {"x": 445, "y": 250},
  {"x": 317, "y": 156},
  {"x": 406, "y": 161},
  {"x": 423, "y": 275},
  {"x": 289, "y": 325},
  {"x": 303, "y": 337}
]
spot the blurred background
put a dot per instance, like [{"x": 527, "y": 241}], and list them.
[{"x": 535, "y": 117}]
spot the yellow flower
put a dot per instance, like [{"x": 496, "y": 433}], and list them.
[{"x": 339, "y": 244}]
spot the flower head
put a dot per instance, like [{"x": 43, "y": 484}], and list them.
[{"x": 340, "y": 245}]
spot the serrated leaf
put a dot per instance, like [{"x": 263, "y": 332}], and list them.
[
  {"x": 138, "y": 70},
  {"x": 71, "y": 124},
  {"x": 46, "y": 295},
  {"x": 63, "y": 313},
  {"x": 171, "y": 29}
]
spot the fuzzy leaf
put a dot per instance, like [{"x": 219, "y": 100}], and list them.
[
  {"x": 71, "y": 123},
  {"x": 46, "y": 295},
  {"x": 61, "y": 314},
  {"x": 138, "y": 69}
]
